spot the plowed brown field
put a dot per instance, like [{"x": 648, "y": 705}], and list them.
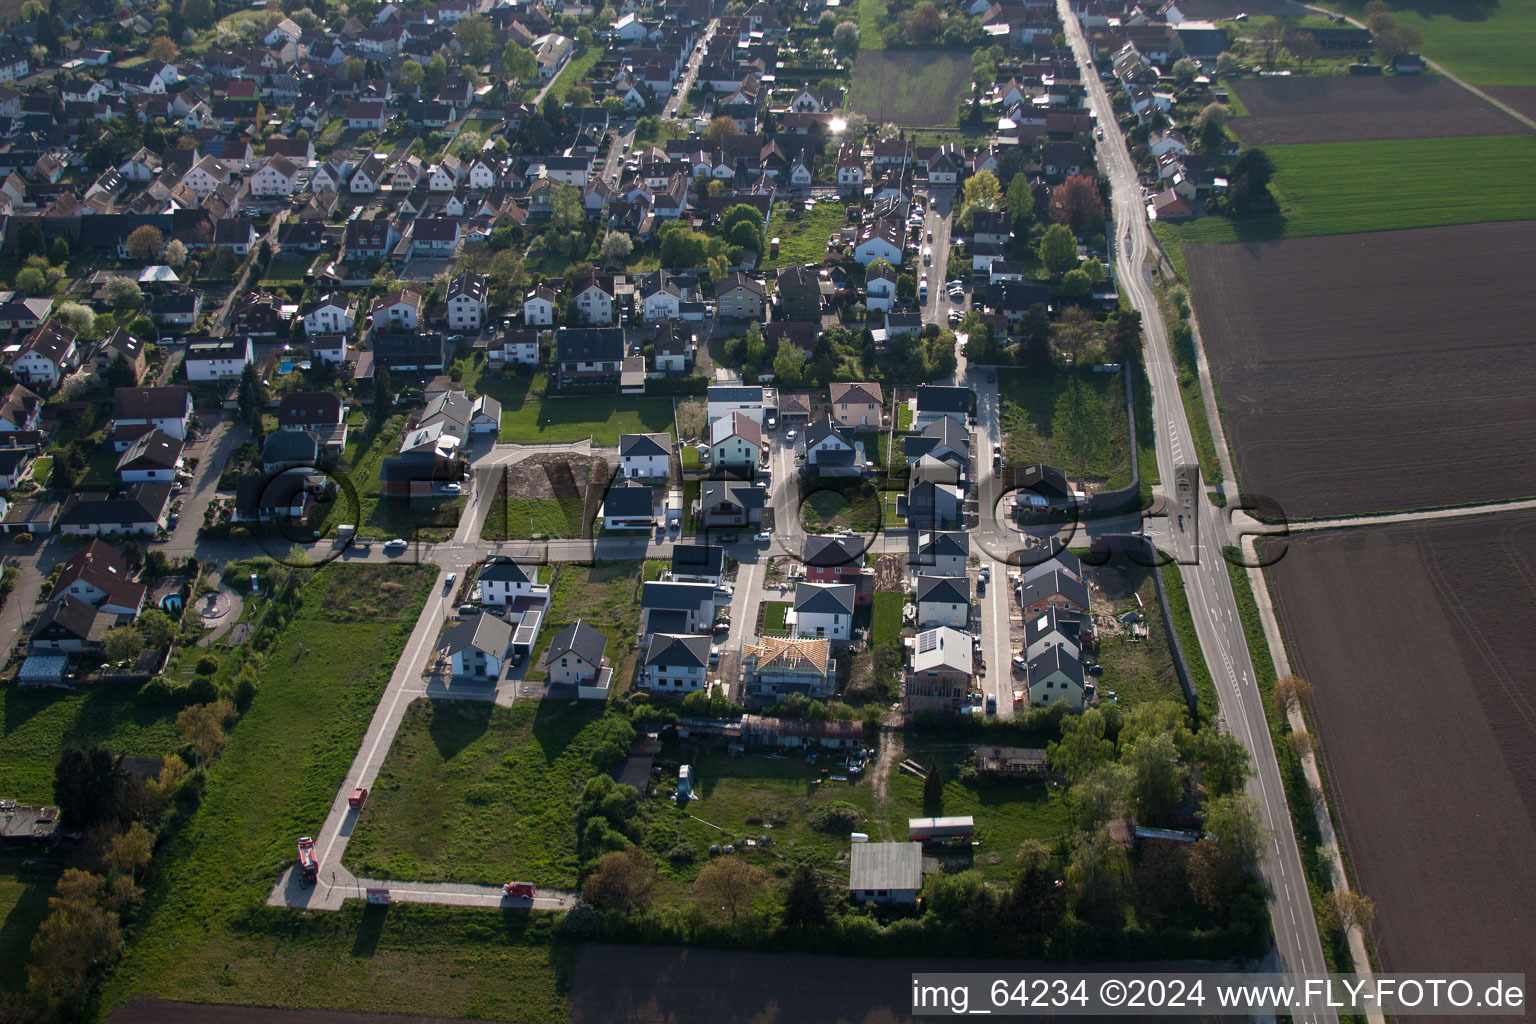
[
  {"x": 1418, "y": 640},
  {"x": 1376, "y": 372},
  {"x": 1352, "y": 109}
]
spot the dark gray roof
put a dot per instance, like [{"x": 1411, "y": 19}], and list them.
[
  {"x": 727, "y": 393},
  {"x": 951, "y": 542},
  {"x": 677, "y": 650},
  {"x": 505, "y": 570},
  {"x": 825, "y": 598},
  {"x": 645, "y": 444},
  {"x": 944, "y": 589},
  {"x": 1047, "y": 481},
  {"x": 830, "y": 552},
  {"x": 628, "y": 501},
  {"x": 713, "y": 492},
  {"x": 825, "y": 428},
  {"x": 1055, "y": 582},
  {"x": 698, "y": 559},
  {"x": 1055, "y": 659},
  {"x": 938, "y": 398},
  {"x": 579, "y": 639},
  {"x": 1054, "y": 620},
  {"x": 482, "y": 631},
  {"x": 290, "y": 446},
  {"x": 680, "y": 596},
  {"x": 142, "y": 503},
  {"x": 589, "y": 344},
  {"x": 155, "y": 449},
  {"x": 941, "y": 433}
]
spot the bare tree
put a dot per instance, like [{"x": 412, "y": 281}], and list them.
[
  {"x": 1345, "y": 909},
  {"x": 1291, "y": 693},
  {"x": 1270, "y": 36},
  {"x": 731, "y": 885},
  {"x": 1302, "y": 743},
  {"x": 622, "y": 881}
]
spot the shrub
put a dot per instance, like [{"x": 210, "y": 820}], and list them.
[
  {"x": 23, "y": 538},
  {"x": 838, "y": 818},
  {"x": 207, "y": 665}
]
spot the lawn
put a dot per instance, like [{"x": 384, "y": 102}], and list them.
[
  {"x": 37, "y": 725},
  {"x": 910, "y": 87},
  {"x": 876, "y": 447},
  {"x": 858, "y": 506},
  {"x": 607, "y": 596},
  {"x": 521, "y": 518},
  {"x": 41, "y": 468},
  {"x": 575, "y": 72},
  {"x": 534, "y": 419},
  {"x": 1476, "y": 39},
  {"x": 773, "y": 617},
  {"x": 472, "y": 792},
  {"x": 887, "y": 622},
  {"x": 1336, "y": 188},
  {"x": 1189, "y": 640},
  {"x": 206, "y": 934},
  {"x": 1071, "y": 419},
  {"x": 872, "y": 16},
  {"x": 803, "y": 234},
  {"x": 23, "y": 905},
  {"x": 893, "y": 518}
]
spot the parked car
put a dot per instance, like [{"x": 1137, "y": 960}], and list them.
[
  {"x": 394, "y": 545},
  {"x": 517, "y": 891},
  {"x": 714, "y": 654},
  {"x": 358, "y": 797},
  {"x": 451, "y": 488},
  {"x": 764, "y": 537},
  {"x": 720, "y": 629}
]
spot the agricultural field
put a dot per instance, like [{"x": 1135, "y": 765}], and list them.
[
  {"x": 1223, "y": 10},
  {"x": 1389, "y": 185},
  {"x": 803, "y": 234},
  {"x": 1420, "y": 659},
  {"x": 1075, "y": 420},
  {"x": 472, "y": 792},
  {"x": 206, "y": 934},
  {"x": 1351, "y": 108},
  {"x": 909, "y": 87},
  {"x": 1350, "y": 377},
  {"x": 1480, "y": 40}
]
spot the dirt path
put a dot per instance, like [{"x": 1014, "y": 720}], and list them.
[{"x": 892, "y": 749}]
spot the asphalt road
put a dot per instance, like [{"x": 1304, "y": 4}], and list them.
[{"x": 1199, "y": 550}]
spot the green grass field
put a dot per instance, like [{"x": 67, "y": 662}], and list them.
[
  {"x": 575, "y": 72},
  {"x": 1476, "y": 39},
  {"x": 23, "y": 905},
  {"x": 36, "y": 725},
  {"x": 605, "y": 595},
  {"x": 860, "y": 507},
  {"x": 803, "y": 236},
  {"x": 1338, "y": 188},
  {"x": 535, "y": 420},
  {"x": 887, "y": 618},
  {"x": 1073, "y": 420},
  {"x": 205, "y": 933},
  {"x": 1139, "y": 671},
  {"x": 773, "y": 616},
  {"x": 909, "y": 87},
  {"x": 872, "y": 23},
  {"x": 521, "y": 518},
  {"x": 477, "y": 793}
]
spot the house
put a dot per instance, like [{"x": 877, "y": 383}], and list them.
[
  {"x": 588, "y": 355},
  {"x": 943, "y": 440},
  {"x": 121, "y": 345},
  {"x": 398, "y": 311},
  {"x": 138, "y": 411},
  {"x": 880, "y": 238},
  {"x": 71, "y": 625},
  {"x": 503, "y": 581},
  {"x": 945, "y": 553},
  {"x": 409, "y": 352},
  {"x": 141, "y": 509},
  {"x": 369, "y": 238},
  {"x": 329, "y": 314},
  {"x": 673, "y": 349},
  {"x": 539, "y": 307},
  {"x": 831, "y": 450},
  {"x": 880, "y": 289},
  {"x": 285, "y": 497},
  {"x": 645, "y": 456},
  {"x": 660, "y": 298},
  {"x": 367, "y": 115},
  {"x": 736, "y": 443},
  {"x": 943, "y": 601},
  {"x": 176, "y": 310},
  {"x": 698, "y": 563},
  {"x": 478, "y": 646},
  {"x": 1053, "y": 628},
  {"x": 629, "y": 506},
  {"x": 153, "y": 457},
  {"x": 276, "y": 177},
  {"x": 485, "y": 415},
  {"x": 1044, "y": 488},
  {"x": 856, "y": 404},
  {"x": 897, "y": 324},
  {"x": 46, "y": 356},
  {"x": 730, "y": 503},
  {"x": 17, "y": 314},
  {"x": 217, "y": 360},
  {"x": 798, "y": 293},
  {"x": 1060, "y": 159},
  {"x": 824, "y": 610},
  {"x": 1056, "y": 675},
  {"x": 320, "y": 413},
  {"x": 885, "y": 872},
  {"x": 739, "y": 297},
  {"x": 675, "y": 663},
  {"x": 776, "y": 667},
  {"x": 1052, "y": 589},
  {"x": 991, "y": 227},
  {"x": 850, "y": 168},
  {"x": 289, "y": 449},
  {"x": 593, "y": 298},
  {"x": 100, "y": 576},
  {"x": 576, "y": 658},
  {"x": 935, "y": 401},
  {"x": 935, "y": 497},
  {"x": 831, "y": 558},
  {"x": 725, "y": 399},
  {"x": 466, "y": 301},
  {"x": 938, "y": 675},
  {"x": 676, "y": 607},
  {"x": 21, "y": 411}
]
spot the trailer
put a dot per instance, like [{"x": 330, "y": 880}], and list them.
[
  {"x": 309, "y": 866},
  {"x": 941, "y": 830}
]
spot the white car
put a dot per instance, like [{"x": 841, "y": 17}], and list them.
[
  {"x": 763, "y": 538},
  {"x": 394, "y": 545},
  {"x": 789, "y": 436},
  {"x": 451, "y": 488}
]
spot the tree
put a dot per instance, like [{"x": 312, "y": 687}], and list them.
[
  {"x": 1073, "y": 331},
  {"x": 1157, "y": 776},
  {"x": 85, "y": 787},
  {"x": 1228, "y": 64},
  {"x": 163, "y": 49},
  {"x": 157, "y": 627},
  {"x": 473, "y": 34},
  {"x": 248, "y": 393},
  {"x": 78, "y": 318},
  {"x": 616, "y": 246},
  {"x": 1302, "y": 744},
  {"x": 720, "y": 128},
  {"x": 846, "y": 37},
  {"x": 924, "y": 23},
  {"x": 1036, "y": 330},
  {"x": 121, "y": 643},
  {"x": 1020, "y": 204},
  {"x": 59, "y": 252},
  {"x": 1291, "y": 693},
  {"x": 131, "y": 851},
  {"x": 124, "y": 292},
  {"x": 579, "y": 96},
  {"x": 805, "y": 903},
  {"x": 74, "y": 940},
  {"x": 518, "y": 62},
  {"x": 411, "y": 73},
  {"x": 1303, "y": 46},
  {"x": 1223, "y": 761},
  {"x": 566, "y": 211},
  {"x": 198, "y": 13},
  {"x": 789, "y": 366},
  {"x": 1078, "y": 204},
  {"x": 1082, "y": 746},
  {"x": 933, "y": 792},
  {"x": 1270, "y": 36},
  {"x": 981, "y": 190},
  {"x": 1036, "y": 905},
  {"x": 1248, "y": 182},
  {"x": 1058, "y": 249},
  {"x": 31, "y": 281},
  {"x": 205, "y": 726},
  {"x": 437, "y": 70},
  {"x": 731, "y": 885},
  {"x": 383, "y": 395},
  {"x": 623, "y": 881},
  {"x": 1076, "y": 286},
  {"x": 1185, "y": 70},
  {"x": 144, "y": 243},
  {"x": 1210, "y": 125},
  {"x": 507, "y": 271},
  {"x": 1344, "y": 909},
  {"x": 1233, "y": 821},
  {"x": 175, "y": 253},
  {"x": 1099, "y": 874}
]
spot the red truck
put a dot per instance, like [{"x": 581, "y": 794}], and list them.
[
  {"x": 517, "y": 891},
  {"x": 309, "y": 867}
]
